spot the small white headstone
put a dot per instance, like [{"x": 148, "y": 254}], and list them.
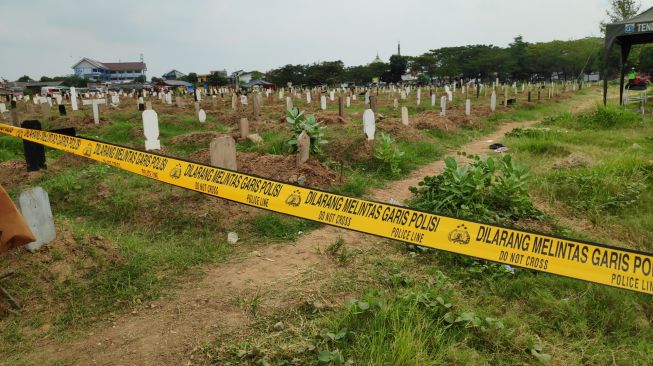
[
  {"x": 450, "y": 94},
  {"x": 96, "y": 110},
  {"x": 73, "y": 97},
  {"x": 151, "y": 130},
  {"x": 395, "y": 103},
  {"x": 223, "y": 152},
  {"x": 35, "y": 208},
  {"x": 332, "y": 95},
  {"x": 404, "y": 116},
  {"x": 289, "y": 105},
  {"x": 198, "y": 95},
  {"x": 3, "y": 108},
  {"x": 348, "y": 101},
  {"x": 201, "y": 115},
  {"x": 443, "y": 105},
  {"x": 323, "y": 102},
  {"x": 433, "y": 100},
  {"x": 243, "y": 99},
  {"x": 308, "y": 97},
  {"x": 493, "y": 101},
  {"x": 468, "y": 107},
  {"x": 369, "y": 126}
]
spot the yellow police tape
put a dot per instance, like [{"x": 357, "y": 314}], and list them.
[{"x": 617, "y": 267}]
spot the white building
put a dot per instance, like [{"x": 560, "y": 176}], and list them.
[{"x": 91, "y": 69}]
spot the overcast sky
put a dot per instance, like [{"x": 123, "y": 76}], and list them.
[{"x": 42, "y": 37}]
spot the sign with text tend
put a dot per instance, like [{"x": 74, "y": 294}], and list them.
[{"x": 602, "y": 264}]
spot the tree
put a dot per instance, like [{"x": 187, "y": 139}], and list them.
[
  {"x": 398, "y": 67},
  {"x": 217, "y": 79},
  {"x": 155, "y": 79},
  {"x": 45, "y": 78},
  {"x": 646, "y": 60},
  {"x": 24, "y": 78},
  {"x": 191, "y": 78},
  {"x": 620, "y": 10},
  {"x": 518, "y": 49},
  {"x": 140, "y": 79}
]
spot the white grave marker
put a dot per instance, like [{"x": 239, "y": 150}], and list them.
[
  {"x": 404, "y": 116},
  {"x": 35, "y": 208},
  {"x": 201, "y": 115},
  {"x": 443, "y": 105},
  {"x": 151, "y": 130},
  {"x": 96, "y": 110},
  {"x": 369, "y": 126},
  {"x": 323, "y": 102},
  {"x": 73, "y": 97}
]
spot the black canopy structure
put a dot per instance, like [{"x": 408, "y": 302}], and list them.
[{"x": 636, "y": 30}]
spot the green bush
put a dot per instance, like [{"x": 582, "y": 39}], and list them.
[
  {"x": 387, "y": 152},
  {"x": 487, "y": 189},
  {"x": 298, "y": 123}
]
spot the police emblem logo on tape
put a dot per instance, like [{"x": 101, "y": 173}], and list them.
[
  {"x": 87, "y": 151},
  {"x": 175, "y": 173},
  {"x": 630, "y": 28},
  {"x": 459, "y": 235},
  {"x": 295, "y": 199}
]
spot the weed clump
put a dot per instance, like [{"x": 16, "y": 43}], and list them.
[
  {"x": 387, "y": 152},
  {"x": 299, "y": 122},
  {"x": 487, "y": 189},
  {"x": 602, "y": 118}
]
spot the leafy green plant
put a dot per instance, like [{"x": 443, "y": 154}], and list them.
[
  {"x": 386, "y": 151},
  {"x": 299, "y": 122},
  {"x": 487, "y": 189}
]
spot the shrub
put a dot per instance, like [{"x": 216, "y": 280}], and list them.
[
  {"x": 487, "y": 189},
  {"x": 298, "y": 123},
  {"x": 386, "y": 151}
]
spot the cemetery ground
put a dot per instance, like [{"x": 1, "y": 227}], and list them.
[{"x": 141, "y": 273}]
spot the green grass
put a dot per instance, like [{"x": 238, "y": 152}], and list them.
[
  {"x": 276, "y": 227},
  {"x": 11, "y": 148}
]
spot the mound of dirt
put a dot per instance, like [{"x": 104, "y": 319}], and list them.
[
  {"x": 396, "y": 129},
  {"x": 329, "y": 118},
  {"x": 574, "y": 160},
  {"x": 14, "y": 172},
  {"x": 194, "y": 138},
  {"x": 279, "y": 167},
  {"x": 350, "y": 148}
]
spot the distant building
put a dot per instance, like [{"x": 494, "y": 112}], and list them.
[
  {"x": 203, "y": 78},
  {"x": 105, "y": 71},
  {"x": 258, "y": 83},
  {"x": 377, "y": 60},
  {"x": 173, "y": 75},
  {"x": 34, "y": 86},
  {"x": 241, "y": 77}
]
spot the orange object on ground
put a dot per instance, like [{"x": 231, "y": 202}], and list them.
[{"x": 14, "y": 231}]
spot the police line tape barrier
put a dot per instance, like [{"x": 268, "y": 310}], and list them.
[{"x": 598, "y": 263}]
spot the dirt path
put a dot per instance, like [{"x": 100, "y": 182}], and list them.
[{"x": 169, "y": 332}]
